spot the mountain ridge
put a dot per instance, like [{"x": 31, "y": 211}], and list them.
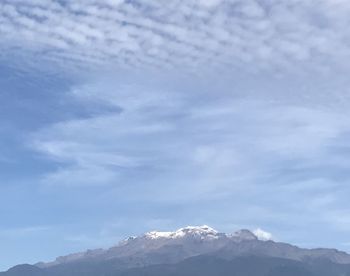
[
  {"x": 157, "y": 249},
  {"x": 203, "y": 232}
]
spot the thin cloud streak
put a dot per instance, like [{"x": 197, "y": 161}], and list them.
[{"x": 231, "y": 148}]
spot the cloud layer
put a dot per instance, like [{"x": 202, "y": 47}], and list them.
[{"x": 182, "y": 34}]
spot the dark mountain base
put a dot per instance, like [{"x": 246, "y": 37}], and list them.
[{"x": 196, "y": 266}]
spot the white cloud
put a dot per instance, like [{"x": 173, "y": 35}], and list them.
[{"x": 262, "y": 235}]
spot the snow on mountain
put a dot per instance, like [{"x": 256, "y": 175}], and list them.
[{"x": 203, "y": 231}]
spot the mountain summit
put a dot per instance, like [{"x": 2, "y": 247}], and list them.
[
  {"x": 186, "y": 247},
  {"x": 202, "y": 232}
]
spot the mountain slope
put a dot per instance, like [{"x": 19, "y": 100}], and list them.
[
  {"x": 198, "y": 266},
  {"x": 210, "y": 266}
]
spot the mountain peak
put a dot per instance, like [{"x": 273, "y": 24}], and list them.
[
  {"x": 203, "y": 232},
  {"x": 200, "y": 231},
  {"x": 244, "y": 234}
]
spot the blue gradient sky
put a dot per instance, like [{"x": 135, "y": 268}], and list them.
[{"x": 119, "y": 117}]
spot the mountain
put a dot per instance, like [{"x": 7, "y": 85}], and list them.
[{"x": 194, "y": 250}]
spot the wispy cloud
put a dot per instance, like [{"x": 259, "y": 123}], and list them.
[{"x": 162, "y": 143}]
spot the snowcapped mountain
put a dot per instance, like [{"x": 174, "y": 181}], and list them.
[
  {"x": 157, "y": 247},
  {"x": 203, "y": 232},
  {"x": 191, "y": 240},
  {"x": 172, "y": 248}
]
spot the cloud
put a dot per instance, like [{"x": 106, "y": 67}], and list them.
[
  {"x": 148, "y": 34},
  {"x": 218, "y": 145},
  {"x": 262, "y": 235},
  {"x": 205, "y": 153}
]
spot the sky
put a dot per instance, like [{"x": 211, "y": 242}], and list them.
[{"x": 119, "y": 117}]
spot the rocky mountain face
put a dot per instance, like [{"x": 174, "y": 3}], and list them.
[{"x": 197, "y": 250}]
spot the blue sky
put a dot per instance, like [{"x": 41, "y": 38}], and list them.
[{"x": 119, "y": 117}]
